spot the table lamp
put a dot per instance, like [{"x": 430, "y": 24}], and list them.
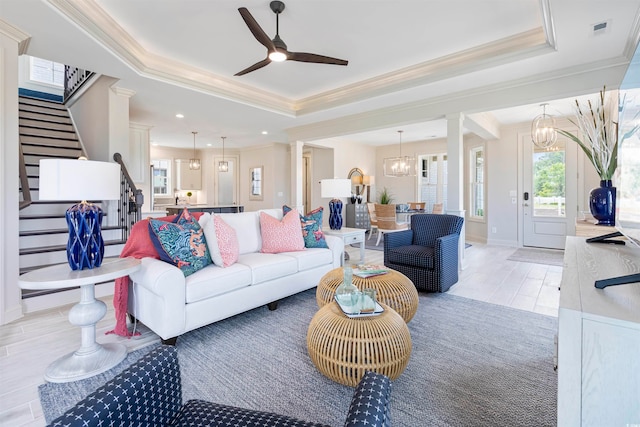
[
  {"x": 334, "y": 188},
  {"x": 368, "y": 181},
  {"x": 67, "y": 179}
]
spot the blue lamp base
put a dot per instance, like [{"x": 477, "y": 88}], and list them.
[
  {"x": 335, "y": 214},
  {"x": 85, "y": 248}
]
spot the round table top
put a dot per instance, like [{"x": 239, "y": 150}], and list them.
[
  {"x": 62, "y": 276},
  {"x": 392, "y": 288}
]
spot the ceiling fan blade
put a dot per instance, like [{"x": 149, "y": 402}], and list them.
[
  {"x": 256, "y": 30},
  {"x": 318, "y": 59},
  {"x": 254, "y": 67}
]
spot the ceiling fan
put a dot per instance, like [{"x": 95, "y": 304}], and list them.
[{"x": 276, "y": 48}]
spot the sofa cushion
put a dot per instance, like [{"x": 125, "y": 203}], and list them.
[
  {"x": 311, "y": 225},
  {"x": 202, "y": 413},
  {"x": 182, "y": 244},
  {"x": 213, "y": 280},
  {"x": 311, "y": 258},
  {"x": 414, "y": 255},
  {"x": 281, "y": 236},
  {"x": 247, "y": 228},
  {"x": 265, "y": 267}
]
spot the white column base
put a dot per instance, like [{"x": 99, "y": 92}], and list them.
[{"x": 462, "y": 263}]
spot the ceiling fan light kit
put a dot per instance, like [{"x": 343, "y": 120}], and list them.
[
  {"x": 276, "y": 48},
  {"x": 401, "y": 165}
]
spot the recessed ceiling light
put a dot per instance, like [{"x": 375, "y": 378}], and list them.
[
  {"x": 209, "y": 145},
  {"x": 180, "y": 116},
  {"x": 155, "y": 144},
  {"x": 264, "y": 132}
]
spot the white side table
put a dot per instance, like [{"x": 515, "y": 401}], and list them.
[
  {"x": 349, "y": 236},
  {"x": 91, "y": 358}
]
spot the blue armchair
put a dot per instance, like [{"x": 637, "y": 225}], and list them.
[
  {"x": 149, "y": 394},
  {"x": 427, "y": 253}
]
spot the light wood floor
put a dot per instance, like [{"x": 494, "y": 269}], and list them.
[{"x": 30, "y": 344}]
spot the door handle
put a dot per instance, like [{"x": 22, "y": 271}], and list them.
[{"x": 525, "y": 204}]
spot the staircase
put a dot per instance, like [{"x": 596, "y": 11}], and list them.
[{"x": 46, "y": 131}]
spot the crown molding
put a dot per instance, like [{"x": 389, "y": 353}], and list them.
[
  {"x": 528, "y": 90},
  {"x": 634, "y": 38},
  {"x": 16, "y": 34},
  {"x": 509, "y": 49},
  {"x": 92, "y": 19},
  {"x": 121, "y": 91}
]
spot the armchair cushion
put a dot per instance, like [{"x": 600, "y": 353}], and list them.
[{"x": 415, "y": 255}]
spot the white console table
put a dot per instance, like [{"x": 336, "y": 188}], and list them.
[
  {"x": 91, "y": 358},
  {"x": 598, "y": 337}
]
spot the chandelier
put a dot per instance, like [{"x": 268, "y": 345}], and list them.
[
  {"x": 401, "y": 165},
  {"x": 543, "y": 130},
  {"x": 194, "y": 163},
  {"x": 223, "y": 166}
]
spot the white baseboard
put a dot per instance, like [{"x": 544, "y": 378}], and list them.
[{"x": 499, "y": 242}]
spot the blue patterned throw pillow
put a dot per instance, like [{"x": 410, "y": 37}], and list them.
[
  {"x": 311, "y": 225},
  {"x": 181, "y": 243}
]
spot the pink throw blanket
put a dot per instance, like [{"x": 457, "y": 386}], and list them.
[{"x": 139, "y": 245}]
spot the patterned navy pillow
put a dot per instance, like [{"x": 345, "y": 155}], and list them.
[
  {"x": 181, "y": 243},
  {"x": 311, "y": 225}
]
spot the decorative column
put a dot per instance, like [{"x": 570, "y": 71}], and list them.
[
  {"x": 13, "y": 43},
  {"x": 455, "y": 176},
  {"x": 296, "y": 174}
]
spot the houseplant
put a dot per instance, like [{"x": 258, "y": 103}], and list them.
[
  {"x": 598, "y": 139},
  {"x": 385, "y": 197}
]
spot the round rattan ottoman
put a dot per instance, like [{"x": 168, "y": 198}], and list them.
[
  {"x": 392, "y": 288},
  {"x": 343, "y": 349}
]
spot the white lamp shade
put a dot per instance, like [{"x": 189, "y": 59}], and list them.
[
  {"x": 66, "y": 179},
  {"x": 334, "y": 188}
]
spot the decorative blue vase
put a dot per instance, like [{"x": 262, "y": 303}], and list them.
[
  {"x": 85, "y": 248},
  {"x": 602, "y": 203},
  {"x": 335, "y": 214}
]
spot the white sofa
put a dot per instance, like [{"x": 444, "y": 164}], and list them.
[{"x": 170, "y": 304}]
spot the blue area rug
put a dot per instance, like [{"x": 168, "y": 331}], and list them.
[{"x": 472, "y": 364}]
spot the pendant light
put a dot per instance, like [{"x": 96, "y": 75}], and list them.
[
  {"x": 543, "y": 130},
  {"x": 401, "y": 165},
  {"x": 194, "y": 163},
  {"x": 223, "y": 166}
]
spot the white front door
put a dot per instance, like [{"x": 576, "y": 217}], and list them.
[{"x": 548, "y": 195}]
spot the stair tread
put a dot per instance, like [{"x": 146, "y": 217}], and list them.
[
  {"x": 62, "y": 231},
  {"x": 55, "y": 248},
  {"x": 51, "y": 215},
  {"x": 37, "y": 267}
]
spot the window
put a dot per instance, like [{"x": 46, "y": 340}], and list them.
[
  {"x": 161, "y": 177},
  {"x": 476, "y": 190},
  {"x": 48, "y": 72},
  {"x": 432, "y": 180}
]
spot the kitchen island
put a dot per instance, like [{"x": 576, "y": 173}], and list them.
[{"x": 176, "y": 209}]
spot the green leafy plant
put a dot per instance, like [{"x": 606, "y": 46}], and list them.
[
  {"x": 599, "y": 135},
  {"x": 385, "y": 197}
]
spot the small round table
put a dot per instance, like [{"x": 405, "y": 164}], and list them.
[
  {"x": 91, "y": 358},
  {"x": 343, "y": 348},
  {"x": 392, "y": 288}
]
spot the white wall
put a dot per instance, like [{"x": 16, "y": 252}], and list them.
[
  {"x": 275, "y": 161},
  {"x": 10, "y": 294},
  {"x": 91, "y": 113}
]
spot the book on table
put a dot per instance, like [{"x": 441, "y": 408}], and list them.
[{"x": 365, "y": 271}]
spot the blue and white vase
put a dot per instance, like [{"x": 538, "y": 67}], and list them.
[{"x": 602, "y": 203}]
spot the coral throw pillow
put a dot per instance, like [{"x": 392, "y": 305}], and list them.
[
  {"x": 281, "y": 236},
  {"x": 311, "y": 225},
  {"x": 182, "y": 244},
  {"x": 227, "y": 239}
]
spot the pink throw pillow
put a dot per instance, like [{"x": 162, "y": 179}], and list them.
[
  {"x": 281, "y": 236},
  {"x": 227, "y": 242}
]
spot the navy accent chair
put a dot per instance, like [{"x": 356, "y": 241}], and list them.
[
  {"x": 149, "y": 394},
  {"x": 427, "y": 253}
]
